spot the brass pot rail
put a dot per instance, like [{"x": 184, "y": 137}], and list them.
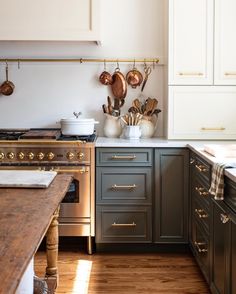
[{"x": 81, "y": 60}]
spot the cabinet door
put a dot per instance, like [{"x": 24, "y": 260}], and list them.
[
  {"x": 225, "y": 44},
  {"x": 171, "y": 196},
  {"x": 54, "y": 20},
  {"x": 190, "y": 42},
  {"x": 220, "y": 249},
  {"x": 232, "y": 259},
  {"x": 202, "y": 112}
]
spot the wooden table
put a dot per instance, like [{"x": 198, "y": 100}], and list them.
[{"x": 26, "y": 215}]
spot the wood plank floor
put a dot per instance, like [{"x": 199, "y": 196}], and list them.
[{"x": 125, "y": 273}]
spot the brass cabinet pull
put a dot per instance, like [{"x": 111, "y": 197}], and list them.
[
  {"x": 232, "y": 73},
  {"x": 198, "y": 246},
  {"x": 125, "y": 187},
  {"x": 192, "y": 160},
  {"x": 213, "y": 129},
  {"x": 190, "y": 73},
  {"x": 201, "y": 168},
  {"x": 123, "y": 157},
  {"x": 124, "y": 225},
  {"x": 201, "y": 191},
  {"x": 201, "y": 213},
  {"x": 224, "y": 218}
]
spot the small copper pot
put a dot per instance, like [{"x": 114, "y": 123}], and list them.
[
  {"x": 134, "y": 78},
  {"x": 7, "y": 87},
  {"x": 105, "y": 78}
]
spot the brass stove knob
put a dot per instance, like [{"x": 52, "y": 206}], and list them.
[
  {"x": 21, "y": 155},
  {"x": 10, "y": 155},
  {"x": 50, "y": 156},
  {"x": 2, "y": 155},
  {"x": 40, "y": 155},
  {"x": 31, "y": 155},
  {"x": 80, "y": 155},
  {"x": 70, "y": 155}
]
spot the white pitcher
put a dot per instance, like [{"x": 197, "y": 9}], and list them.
[{"x": 112, "y": 126}]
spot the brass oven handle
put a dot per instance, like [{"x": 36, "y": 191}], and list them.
[
  {"x": 81, "y": 170},
  {"x": 121, "y": 187},
  {"x": 201, "y": 191},
  {"x": 213, "y": 129},
  {"x": 224, "y": 218},
  {"x": 199, "y": 249},
  {"x": 201, "y": 213},
  {"x": 201, "y": 168},
  {"x": 125, "y": 157},
  {"x": 190, "y": 73},
  {"x": 124, "y": 225}
]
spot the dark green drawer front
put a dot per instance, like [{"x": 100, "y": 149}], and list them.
[
  {"x": 201, "y": 168},
  {"x": 124, "y": 157},
  {"x": 123, "y": 224},
  {"x": 119, "y": 185},
  {"x": 200, "y": 244},
  {"x": 201, "y": 212},
  {"x": 200, "y": 190}
]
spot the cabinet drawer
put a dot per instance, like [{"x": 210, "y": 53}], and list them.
[
  {"x": 200, "y": 244},
  {"x": 201, "y": 191},
  {"x": 201, "y": 213},
  {"x": 202, "y": 169},
  {"x": 123, "y": 224},
  {"x": 119, "y": 185},
  {"x": 123, "y": 157}
]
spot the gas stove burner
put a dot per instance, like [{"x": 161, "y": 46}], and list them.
[
  {"x": 10, "y": 135},
  {"x": 89, "y": 138}
]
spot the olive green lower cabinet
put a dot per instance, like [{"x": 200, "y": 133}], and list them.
[
  {"x": 123, "y": 195},
  {"x": 171, "y": 195},
  {"x": 223, "y": 279}
]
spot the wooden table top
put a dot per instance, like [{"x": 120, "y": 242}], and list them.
[{"x": 25, "y": 215}]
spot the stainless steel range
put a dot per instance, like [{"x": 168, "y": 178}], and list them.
[{"x": 73, "y": 155}]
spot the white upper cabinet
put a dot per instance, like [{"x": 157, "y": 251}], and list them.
[
  {"x": 225, "y": 42},
  {"x": 50, "y": 20},
  {"x": 191, "y": 42},
  {"x": 202, "y": 112}
]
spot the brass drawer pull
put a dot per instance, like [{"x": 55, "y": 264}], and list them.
[
  {"x": 123, "y": 157},
  {"x": 201, "y": 213},
  {"x": 124, "y": 225},
  {"x": 190, "y": 73},
  {"x": 213, "y": 129},
  {"x": 201, "y": 168},
  {"x": 123, "y": 187},
  {"x": 232, "y": 73},
  {"x": 192, "y": 160},
  {"x": 201, "y": 191},
  {"x": 199, "y": 249},
  {"x": 224, "y": 218}
]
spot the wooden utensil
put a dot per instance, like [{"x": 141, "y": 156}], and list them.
[{"x": 109, "y": 105}]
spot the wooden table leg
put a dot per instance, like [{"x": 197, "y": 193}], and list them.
[{"x": 52, "y": 248}]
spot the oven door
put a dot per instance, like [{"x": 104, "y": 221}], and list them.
[{"x": 76, "y": 203}]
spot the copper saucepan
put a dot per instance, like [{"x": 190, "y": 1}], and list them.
[
  {"x": 105, "y": 77},
  {"x": 7, "y": 87}
]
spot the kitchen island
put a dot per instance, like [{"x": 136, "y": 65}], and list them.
[{"x": 26, "y": 215}]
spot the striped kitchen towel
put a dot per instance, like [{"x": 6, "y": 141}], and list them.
[{"x": 217, "y": 180}]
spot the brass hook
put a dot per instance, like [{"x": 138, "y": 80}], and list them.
[
  {"x": 153, "y": 64},
  {"x": 134, "y": 64},
  {"x": 117, "y": 65},
  {"x": 104, "y": 61},
  {"x": 18, "y": 63},
  {"x": 145, "y": 64}
]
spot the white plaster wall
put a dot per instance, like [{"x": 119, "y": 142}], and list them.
[{"x": 46, "y": 92}]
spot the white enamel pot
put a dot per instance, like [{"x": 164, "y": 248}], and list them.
[{"x": 78, "y": 126}]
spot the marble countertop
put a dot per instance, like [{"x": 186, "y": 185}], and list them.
[{"x": 196, "y": 146}]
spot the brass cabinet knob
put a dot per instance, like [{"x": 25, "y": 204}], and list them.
[
  {"x": 31, "y": 156},
  {"x": 40, "y": 156},
  {"x": 80, "y": 155},
  {"x": 2, "y": 155},
  {"x": 50, "y": 156},
  {"x": 21, "y": 155},
  {"x": 10, "y": 155},
  {"x": 70, "y": 155}
]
